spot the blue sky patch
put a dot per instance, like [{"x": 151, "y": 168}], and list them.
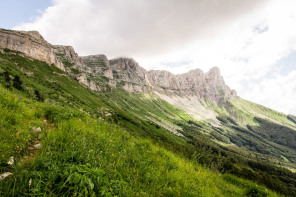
[
  {"x": 176, "y": 63},
  {"x": 286, "y": 65},
  {"x": 260, "y": 29},
  {"x": 16, "y": 12}
]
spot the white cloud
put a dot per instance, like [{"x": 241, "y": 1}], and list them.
[
  {"x": 244, "y": 38},
  {"x": 278, "y": 92},
  {"x": 135, "y": 27}
]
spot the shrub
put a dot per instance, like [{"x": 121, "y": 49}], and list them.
[{"x": 17, "y": 83}]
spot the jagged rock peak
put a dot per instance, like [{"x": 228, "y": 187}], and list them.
[
  {"x": 195, "y": 82},
  {"x": 194, "y": 71},
  {"x": 96, "y": 60},
  {"x": 97, "y": 56},
  {"x": 214, "y": 74},
  {"x": 214, "y": 71},
  {"x": 34, "y": 34},
  {"x": 127, "y": 69},
  {"x": 67, "y": 52},
  {"x": 163, "y": 72},
  {"x": 164, "y": 79},
  {"x": 124, "y": 63}
]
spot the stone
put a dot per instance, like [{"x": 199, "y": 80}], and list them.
[
  {"x": 107, "y": 114},
  {"x": 31, "y": 149},
  {"x": 37, "y": 146},
  {"x": 36, "y": 130},
  {"x": 5, "y": 175}
]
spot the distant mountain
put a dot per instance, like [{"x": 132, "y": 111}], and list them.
[{"x": 194, "y": 114}]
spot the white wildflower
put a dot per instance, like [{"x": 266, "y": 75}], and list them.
[{"x": 10, "y": 161}]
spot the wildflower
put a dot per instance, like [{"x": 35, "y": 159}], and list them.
[
  {"x": 10, "y": 161},
  {"x": 30, "y": 182},
  {"x": 113, "y": 155}
]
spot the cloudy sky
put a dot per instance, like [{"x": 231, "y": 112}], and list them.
[{"x": 252, "y": 42}]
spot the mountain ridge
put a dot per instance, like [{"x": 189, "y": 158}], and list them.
[{"x": 134, "y": 78}]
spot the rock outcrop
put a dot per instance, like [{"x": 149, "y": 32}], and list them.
[
  {"x": 195, "y": 82},
  {"x": 129, "y": 70},
  {"x": 30, "y": 43},
  {"x": 97, "y": 72}
]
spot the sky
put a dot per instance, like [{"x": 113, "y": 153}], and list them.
[{"x": 252, "y": 42}]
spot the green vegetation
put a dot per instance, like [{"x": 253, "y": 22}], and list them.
[
  {"x": 260, "y": 130},
  {"x": 75, "y": 71},
  {"x": 245, "y": 111},
  {"x": 84, "y": 156},
  {"x": 292, "y": 118},
  {"x": 276, "y": 133},
  {"x": 118, "y": 143}
]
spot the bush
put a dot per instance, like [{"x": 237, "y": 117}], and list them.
[
  {"x": 39, "y": 96},
  {"x": 17, "y": 83},
  {"x": 256, "y": 192}
]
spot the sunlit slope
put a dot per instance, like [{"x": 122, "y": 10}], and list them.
[
  {"x": 267, "y": 131},
  {"x": 245, "y": 112},
  {"x": 81, "y": 155},
  {"x": 239, "y": 124},
  {"x": 198, "y": 139}
]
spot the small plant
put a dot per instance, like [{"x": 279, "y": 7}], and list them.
[
  {"x": 17, "y": 83},
  {"x": 7, "y": 77},
  {"x": 256, "y": 192},
  {"x": 39, "y": 96},
  {"x": 75, "y": 71}
]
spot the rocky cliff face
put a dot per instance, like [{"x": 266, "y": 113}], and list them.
[
  {"x": 129, "y": 70},
  {"x": 31, "y": 43},
  {"x": 97, "y": 72},
  {"x": 195, "y": 82}
]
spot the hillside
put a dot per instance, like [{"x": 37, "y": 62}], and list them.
[{"x": 145, "y": 133}]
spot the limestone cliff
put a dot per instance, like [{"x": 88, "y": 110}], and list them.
[
  {"x": 99, "y": 73},
  {"x": 195, "y": 82},
  {"x": 30, "y": 43}
]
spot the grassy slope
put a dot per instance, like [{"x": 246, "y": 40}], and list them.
[
  {"x": 248, "y": 110},
  {"x": 128, "y": 111},
  {"x": 265, "y": 131},
  {"x": 271, "y": 138},
  {"x": 58, "y": 87},
  {"x": 82, "y": 155}
]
